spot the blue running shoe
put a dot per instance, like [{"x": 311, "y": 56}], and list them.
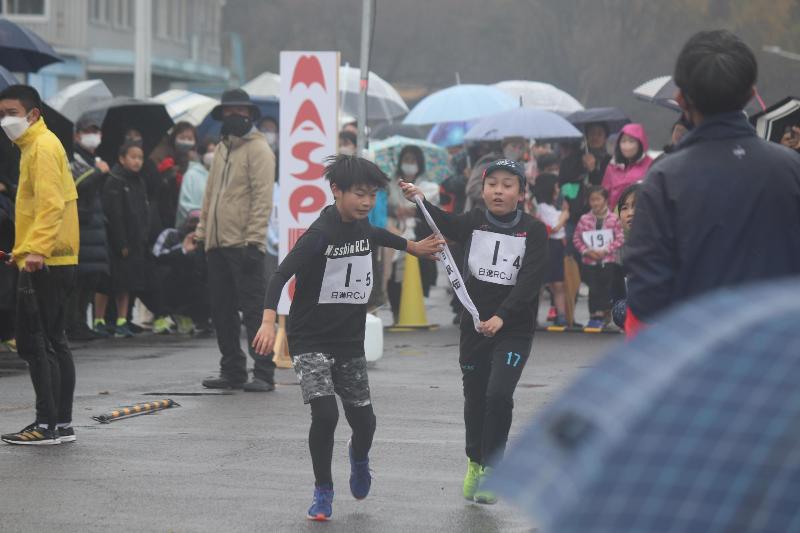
[
  {"x": 595, "y": 323},
  {"x": 321, "y": 508},
  {"x": 360, "y": 475}
]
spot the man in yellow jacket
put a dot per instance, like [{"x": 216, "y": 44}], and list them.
[{"x": 46, "y": 253}]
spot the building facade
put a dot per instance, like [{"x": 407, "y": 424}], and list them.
[{"x": 96, "y": 40}]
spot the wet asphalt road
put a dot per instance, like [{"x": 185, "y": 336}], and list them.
[{"x": 239, "y": 461}]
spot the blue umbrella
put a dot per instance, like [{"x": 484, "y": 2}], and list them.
[
  {"x": 685, "y": 429},
  {"x": 449, "y": 134},
  {"x": 268, "y": 105},
  {"x": 460, "y": 103},
  {"x": 614, "y": 118},
  {"x": 526, "y": 122},
  {"x": 21, "y": 50}
]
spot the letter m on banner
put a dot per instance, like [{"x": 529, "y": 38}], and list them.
[{"x": 308, "y": 134}]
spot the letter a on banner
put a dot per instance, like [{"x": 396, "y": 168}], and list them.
[{"x": 308, "y": 134}]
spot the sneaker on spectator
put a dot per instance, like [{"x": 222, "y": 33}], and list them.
[
  {"x": 185, "y": 325},
  {"x": 32, "y": 435},
  {"x": 81, "y": 333},
  {"x": 560, "y": 321},
  {"x": 258, "y": 385},
  {"x": 595, "y": 323},
  {"x": 123, "y": 329},
  {"x": 222, "y": 382},
  {"x": 65, "y": 435},
  {"x": 161, "y": 326},
  {"x": 552, "y": 314},
  {"x": 101, "y": 329}
]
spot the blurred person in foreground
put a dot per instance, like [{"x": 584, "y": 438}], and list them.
[
  {"x": 722, "y": 210},
  {"x": 45, "y": 251}
]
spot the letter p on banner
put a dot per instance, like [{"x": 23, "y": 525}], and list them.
[{"x": 308, "y": 134}]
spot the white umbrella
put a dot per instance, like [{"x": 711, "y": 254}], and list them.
[
  {"x": 185, "y": 105},
  {"x": 383, "y": 100},
  {"x": 265, "y": 84},
  {"x": 74, "y": 99},
  {"x": 540, "y": 96}
]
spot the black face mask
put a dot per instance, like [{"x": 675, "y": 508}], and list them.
[{"x": 236, "y": 125}]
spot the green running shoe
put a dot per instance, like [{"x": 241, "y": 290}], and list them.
[
  {"x": 482, "y": 495},
  {"x": 161, "y": 326},
  {"x": 471, "y": 479}
]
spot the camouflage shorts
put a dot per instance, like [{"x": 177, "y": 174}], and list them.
[{"x": 321, "y": 375}]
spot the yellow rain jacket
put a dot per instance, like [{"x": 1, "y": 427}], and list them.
[{"x": 46, "y": 206}]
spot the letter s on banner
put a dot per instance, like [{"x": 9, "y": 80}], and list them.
[{"x": 309, "y": 117}]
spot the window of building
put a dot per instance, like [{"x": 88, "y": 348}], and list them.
[
  {"x": 98, "y": 11},
  {"x": 24, "y": 8},
  {"x": 121, "y": 13}
]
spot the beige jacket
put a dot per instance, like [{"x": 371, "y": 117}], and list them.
[{"x": 238, "y": 197}]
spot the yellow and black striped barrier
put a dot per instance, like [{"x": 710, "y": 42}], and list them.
[{"x": 135, "y": 410}]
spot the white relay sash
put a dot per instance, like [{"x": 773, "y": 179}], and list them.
[
  {"x": 347, "y": 280},
  {"x": 496, "y": 258},
  {"x": 452, "y": 270},
  {"x": 599, "y": 239}
]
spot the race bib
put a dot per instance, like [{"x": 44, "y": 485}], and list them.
[
  {"x": 495, "y": 257},
  {"x": 598, "y": 240},
  {"x": 347, "y": 280}
]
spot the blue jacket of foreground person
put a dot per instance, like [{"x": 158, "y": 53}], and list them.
[{"x": 722, "y": 210}]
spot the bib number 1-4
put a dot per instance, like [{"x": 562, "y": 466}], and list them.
[
  {"x": 496, "y": 258},
  {"x": 347, "y": 280}
]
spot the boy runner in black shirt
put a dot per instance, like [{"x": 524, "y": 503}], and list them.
[
  {"x": 507, "y": 253},
  {"x": 333, "y": 266}
]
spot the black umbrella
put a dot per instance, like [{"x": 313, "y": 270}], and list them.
[
  {"x": 772, "y": 123},
  {"x": 118, "y": 115},
  {"x": 61, "y": 126},
  {"x": 21, "y": 50},
  {"x": 56, "y": 122},
  {"x": 614, "y": 118}
]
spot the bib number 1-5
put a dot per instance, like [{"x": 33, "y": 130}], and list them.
[{"x": 347, "y": 280}]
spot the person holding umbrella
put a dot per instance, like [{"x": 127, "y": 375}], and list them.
[
  {"x": 46, "y": 253},
  {"x": 596, "y": 158},
  {"x": 233, "y": 229}
]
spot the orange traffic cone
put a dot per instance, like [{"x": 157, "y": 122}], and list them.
[{"x": 412, "y": 304}]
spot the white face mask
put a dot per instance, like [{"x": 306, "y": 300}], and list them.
[
  {"x": 347, "y": 150},
  {"x": 208, "y": 158},
  {"x": 14, "y": 126},
  {"x": 90, "y": 141},
  {"x": 409, "y": 170},
  {"x": 272, "y": 138}
]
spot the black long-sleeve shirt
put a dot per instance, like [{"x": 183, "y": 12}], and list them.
[
  {"x": 332, "y": 263},
  {"x": 506, "y": 258}
]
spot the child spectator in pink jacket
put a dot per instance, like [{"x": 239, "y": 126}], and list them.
[{"x": 599, "y": 237}]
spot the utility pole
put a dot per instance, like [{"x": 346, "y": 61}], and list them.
[
  {"x": 142, "y": 83},
  {"x": 367, "y": 11}
]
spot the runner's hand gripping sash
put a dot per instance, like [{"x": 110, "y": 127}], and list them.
[{"x": 453, "y": 274}]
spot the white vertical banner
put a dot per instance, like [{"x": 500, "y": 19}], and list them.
[{"x": 308, "y": 134}]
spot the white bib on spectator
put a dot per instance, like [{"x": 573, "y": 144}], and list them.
[
  {"x": 598, "y": 240},
  {"x": 496, "y": 258},
  {"x": 347, "y": 280}
]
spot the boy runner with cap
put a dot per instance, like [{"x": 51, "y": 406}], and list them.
[
  {"x": 507, "y": 254},
  {"x": 332, "y": 263}
]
